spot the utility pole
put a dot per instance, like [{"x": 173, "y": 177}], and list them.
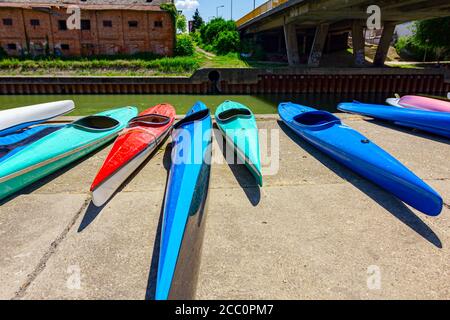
[
  {"x": 231, "y": 9},
  {"x": 254, "y": 4}
]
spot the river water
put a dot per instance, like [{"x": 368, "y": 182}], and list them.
[{"x": 260, "y": 104}]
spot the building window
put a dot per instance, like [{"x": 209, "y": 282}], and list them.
[
  {"x": 132, "y": 24},
  {"x": 65, "y": 46},
  {"x": 107, "y": 23},
  {"x": 12, "y": 46},
  {"x": 158, "y": 24},
  {"x": 62, "y": 25},
  {"x": 7, "y": 22},
  {"x": 35, "y": 22},
  {"x": 85, "y": 24}
]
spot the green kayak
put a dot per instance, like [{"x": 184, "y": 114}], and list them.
[
  {"x": 238, "y": 125},
  {"x": 60, "y": 148}
]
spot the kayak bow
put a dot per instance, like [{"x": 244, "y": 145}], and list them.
[
  {"x": 238, "y": 125},
  {"x": 60, "y": 148},
  {"x": 13, "y": 120},
  {"x": 326, "y": 132},
  {"x": 133, "y": 146},
  {"x": 185, "y": 205}
]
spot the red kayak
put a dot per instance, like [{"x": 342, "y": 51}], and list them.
[{"x": 133, "y": 146}]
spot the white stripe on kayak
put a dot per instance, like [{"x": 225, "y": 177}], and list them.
[
  {"x": 52, "y": 160},
  {"x": 110, "y": 185}
]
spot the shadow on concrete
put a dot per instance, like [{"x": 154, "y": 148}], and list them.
[
  {"x": 150, "y": 293},
  {"x": 244, "y": 177},
  {"x": 93, "y": 211},
  {"x": 411, "y": 131},
  {"x": 385, "y": 199},
  {"x": 42, "y": 182}
]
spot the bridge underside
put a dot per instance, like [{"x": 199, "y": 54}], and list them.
[{"x": 305, "y": 29}]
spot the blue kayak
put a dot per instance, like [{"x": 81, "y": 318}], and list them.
[
  {"x": 14, "y": 142},
  {"x": 184, "y": 207},
  {"x": 430, "y": 121},
  {"x": 347, "y": 146}
]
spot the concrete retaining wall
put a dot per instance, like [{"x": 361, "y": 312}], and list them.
[{"x": 244, "y": 81}]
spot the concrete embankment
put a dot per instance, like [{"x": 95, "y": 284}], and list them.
[
  {"x": 315, "y": 230},
  {"x": 244, "y": 81}
]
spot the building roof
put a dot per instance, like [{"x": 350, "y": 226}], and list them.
[{"x": 138, "y": 5}]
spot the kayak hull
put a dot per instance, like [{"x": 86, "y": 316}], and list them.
[
  {"x": 359, "y": 154},
  {"x": 430, "y": 121},
  {"x": 131, "y": 149},
  {"x": 49, "y": 154},
  {"x": 185, "y": 206},
  {"x": 13, "y": 120},
  {"x": 242, "y": 134}
]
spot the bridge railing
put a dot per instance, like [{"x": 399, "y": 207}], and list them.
[{"x": 269, "y": 5}]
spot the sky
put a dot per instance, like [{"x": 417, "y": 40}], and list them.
[{"x": 207, "y": 8}]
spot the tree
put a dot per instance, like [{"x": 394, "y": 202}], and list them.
[
  {"x": 433, "y": 35},
  {"x": 197, "y": 21},
  {"x": 181, "y": 23},
  {"x": 210, "y": 31}
]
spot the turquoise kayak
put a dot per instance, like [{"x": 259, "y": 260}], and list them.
[
  {"x": 14, "y": 142},
  {"x": 60, "y": 148},
  {"x": 238, "y": 125}
]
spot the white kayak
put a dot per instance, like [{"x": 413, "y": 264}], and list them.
[{"x": 15, "y": 119}]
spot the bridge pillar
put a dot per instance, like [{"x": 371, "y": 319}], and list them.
[
  {"x": 358, "y": 43},
  {"x": 318, "y": 45},
  {"x": 385, "y": 42},
  {"x": 290, "y": 34}
]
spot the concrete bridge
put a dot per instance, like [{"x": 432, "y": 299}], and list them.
[{"x": 305, "y": 28}]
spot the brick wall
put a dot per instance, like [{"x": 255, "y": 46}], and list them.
[{"x": 103, "y": 32}]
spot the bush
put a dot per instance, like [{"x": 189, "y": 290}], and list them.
[
  {"x": 196, "y": 37},
  {"x": 407, "y": 47},
  {"x": 226, "y": 42},
  {"x": 185, "y": 45}
]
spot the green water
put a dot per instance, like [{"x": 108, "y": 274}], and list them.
[{"x": 262, "y": 104}]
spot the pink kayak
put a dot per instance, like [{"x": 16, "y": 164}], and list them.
[{"x": 419, "y": 102}]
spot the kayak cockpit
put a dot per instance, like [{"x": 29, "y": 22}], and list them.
[
  {"x": 316, "y": 119},
  {"x": 231, "y": 114},
  {"x": 197, "y": 116},
  {"x": 96, "y": 123},
  {"x": 149, "y": 120}
]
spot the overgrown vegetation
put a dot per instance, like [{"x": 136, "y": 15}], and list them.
[
  {"x": 430, "y": 41},
  {"x": 185, "y": 46},
  {"x": 100, "y": 65},
  {"x": 220, "y": 36}
]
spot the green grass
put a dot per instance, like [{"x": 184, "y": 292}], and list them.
[
  {"x": 121, "y": 65},
  {"x": 99, "y": 66}
]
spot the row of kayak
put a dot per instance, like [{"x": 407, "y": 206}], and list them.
[{"x": 29, "y": 153}]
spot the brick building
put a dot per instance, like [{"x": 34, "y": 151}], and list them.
[{"x": 105, "y": 27}]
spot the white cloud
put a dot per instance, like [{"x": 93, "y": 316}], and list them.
[{"x": 187, "y": 4}]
